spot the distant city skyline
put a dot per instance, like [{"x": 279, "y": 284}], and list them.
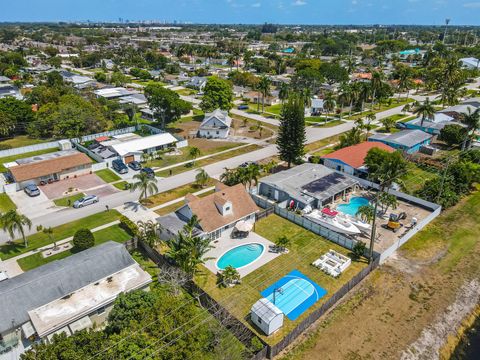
[{"x": 328, "y": 12}]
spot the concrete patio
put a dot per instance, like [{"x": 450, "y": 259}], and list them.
[{"x": 225, "y": 243}]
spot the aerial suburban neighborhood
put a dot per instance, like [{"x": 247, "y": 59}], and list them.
[{"x": 296, "y": 188}]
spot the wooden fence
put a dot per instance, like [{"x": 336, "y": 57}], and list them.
[
  {"x": 314, "y": 316},
  {"x": 230, "y": 322}
]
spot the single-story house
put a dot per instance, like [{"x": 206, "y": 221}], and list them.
[
  {"x": 470, "y": 63},
  {"x": 215, "y": 125},
  {"x": 256, "y": 97},
  {"x": 49, "y": 167},
  {"x": 7, "y": 90},
  {"x": 266, "y": 316},
  {"x": 216, "y": 213},
  {"x": 68, "y": 295},
  {"x": 458, "y": 111},
  {"x": 431, "y": 126},
  {"x": 113, "y": 93},
  {"x": 131, "y": 148},
  {"x": 77, "y": 81},
  {"x": 409, "y": 141},
  {"x": 307, "y": 184},
  {"x": 135, "y": 99},
  {"x": 351, "y": 159},
  {"x": 197, "y": 82}
]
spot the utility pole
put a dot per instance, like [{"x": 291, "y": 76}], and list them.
[
  {"x": 447, "y": 21},
  {"x": 444, "y": 175},
  {"x": 372, "y": 235}
]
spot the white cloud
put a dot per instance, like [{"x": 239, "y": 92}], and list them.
[
  {"x": 256, "y": 5},
  {"x": 299, "y": 3},
  {"x": 472, "y": 5},
  {"x": 354, "y": 2}
]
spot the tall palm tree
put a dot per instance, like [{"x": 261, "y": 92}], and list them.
[
  {"x": 368, "y": 124},
  {"x": 264, "y": 88},
  {"x": 366, "y": 213},
  {"x": 376, "y": 84},
  {"x": 147, "y": 185},
  {"x": 13, "y": 222},
  {"x": 329, "y": 102},
  {"x": 472, "y": 120},
  {"x": 426, "y": 110},
  {"x": 193, "y": 153},
  {"x": 252, "y": 174}
]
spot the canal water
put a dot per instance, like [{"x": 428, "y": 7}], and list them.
[{"x": 469, "y": 347}]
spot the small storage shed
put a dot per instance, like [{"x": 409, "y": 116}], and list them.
[{"x": 266, "y": 316}]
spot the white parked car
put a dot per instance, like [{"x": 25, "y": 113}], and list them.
[{"x": 86, "y": 200}]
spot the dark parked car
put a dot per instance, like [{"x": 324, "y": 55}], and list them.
[
  {"x": 119, "y": 166},
  {"x": 150, "y": 173},
  {"x": 32, "y": 190},
  {"x": 247, "y": 164},
  {"x": 242, "y": 107},
  {"x": 134, "y": 165}
]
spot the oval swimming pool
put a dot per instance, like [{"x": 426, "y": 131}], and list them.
[
  {"x": 240, "y": 256},
  {"x": 352, "y": 207}
]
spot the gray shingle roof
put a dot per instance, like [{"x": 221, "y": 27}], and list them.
[
  {"x": 57, "y": 279},
  {"x": 408, "y": 138}
]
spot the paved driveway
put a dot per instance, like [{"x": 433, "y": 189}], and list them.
[
  {"x": 33, "y": 206},
  {"x": 58, "y": 189}
]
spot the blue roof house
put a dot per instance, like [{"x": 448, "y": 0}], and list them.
[
  {"x": 409, "y": 141},
  {"x": 431, "y": 126}
]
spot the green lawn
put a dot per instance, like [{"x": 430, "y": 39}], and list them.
[
  {"x": 176, "y": 193},
  {"x": 107, "y": 175},
  {"x": 40, "y": 239},
  {"x": 120, "y": 185},
  {"x": 114, "y": 233},
  {"x": 200, "y": 163},
  {"x": 6, "y": 203},
  {"x": 415, "y": 178},
  {"x": 22, "y": 140},
  {"x": 65, "y": 201},
  {"x": 7, "y": 159},
  {"x": 408, "y": 119},
  {"x": 322, "y": 124},
  {"x": 322, "y": 143},
  {"x": 304, "y": 249}
]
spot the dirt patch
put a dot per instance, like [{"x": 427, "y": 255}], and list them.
[{"x": 433, "y": 337}]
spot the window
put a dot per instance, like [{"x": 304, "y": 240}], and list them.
[
  {"x": 101, "y": 310},
  {"x": 218, "y": 132},
  {"x": 227, "y": 208},
  {"x": 259, "y": 320}
]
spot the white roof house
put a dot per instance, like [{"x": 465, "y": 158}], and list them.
[
  {"x": 112, "y": 93},
  {"x": 215, "y": 125},
  {"x": 470, "y": 63},
  {"x": 144, "y": 144},
  {"x": 266, "y": 316}
]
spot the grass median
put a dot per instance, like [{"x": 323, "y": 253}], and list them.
[
  {"x": 6, "y": 203},
  {"x": 114, "y": 233},
  {"x": 40, "y": 239},
  {"x": 107, "y": 175}
]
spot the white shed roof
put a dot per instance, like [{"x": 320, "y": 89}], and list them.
[
  {"x": 144, "y": 143},
  {"x": 265, "y": 310}
]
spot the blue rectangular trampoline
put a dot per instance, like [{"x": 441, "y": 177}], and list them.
[{"x": 294, "y": 294}]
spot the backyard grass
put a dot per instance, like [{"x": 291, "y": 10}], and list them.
[
  {"x": 304, "y": 249},
  {"x": 377, "y": 109},
  {"x": 40, "y": 239},
  {"x": 114, "y": 233},
  {"x": 322, "y": 143},
  {"x": 107, "y": 175},
  {"x": 6, "y": 203},
  {"x": 176, "y": 193},
  {"x": 22, "y": 140},
  {"x": 394, "y": 305},
  {"x": 11, "y": 158},
  {"x": 204, "y": 162},
  {"x": 415, "y": 178},
  {"x": 65, "y": 200}
]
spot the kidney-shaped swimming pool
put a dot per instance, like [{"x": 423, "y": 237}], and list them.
[{"x": 240, "y": 256}]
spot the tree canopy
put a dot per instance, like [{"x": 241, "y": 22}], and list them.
[{"x": 218, "y": 94}]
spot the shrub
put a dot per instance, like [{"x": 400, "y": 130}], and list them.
[
  {"x": 256, "y": 344},
  {"x": 129, "y": 226},
  {"x": 5, "y": 147},
  {"x": 359, "y": 250},
  {"x": 83, "y": 239}
]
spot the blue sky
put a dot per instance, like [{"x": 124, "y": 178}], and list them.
[{"x": 248, "y": 11}]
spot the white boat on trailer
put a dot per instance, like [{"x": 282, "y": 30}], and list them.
[
  {"x": 361, "y": 225},
  {"x": 328, "y": 219}
]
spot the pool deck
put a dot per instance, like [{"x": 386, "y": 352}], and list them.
[{"x": 225, "y": 243}]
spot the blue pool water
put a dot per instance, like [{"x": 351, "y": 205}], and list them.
[
  {"x": 240, "y": 256},
  {"x": 352, "y": 207}
]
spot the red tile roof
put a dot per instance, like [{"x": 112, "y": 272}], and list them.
[{"x": 355, "y": 155}]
